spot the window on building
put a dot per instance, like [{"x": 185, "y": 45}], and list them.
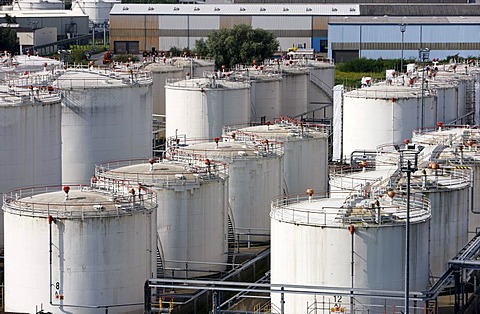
[{"x": 126, "y": 47}]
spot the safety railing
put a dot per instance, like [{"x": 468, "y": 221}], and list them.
[{"x": 28, "y": 202}]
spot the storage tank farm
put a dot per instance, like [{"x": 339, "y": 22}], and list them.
[
  {"x": 191, "y": 235},
  {"x": 349, "y": 244},
  {"x": 447, "y": 188},
  {"x": 200, "y": 107},
  {"x": 174, "y": 68},
  {"x": 388, "y": 112},
  {"x": 458, "y": 148},
  {"x": 305, "y": 148},
  {"x": 106, "y": 115},
  {"x": 30, "y": 141},
  {"x": 78, "y": 249},
  {"x": 254, "y": 178}
]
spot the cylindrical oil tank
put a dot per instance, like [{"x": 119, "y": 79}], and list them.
[
  {"x": 98, "y": 11},
  {"x": 199, "y": 108},
  {"x": 254, "y": 179},
  {"x": 305, "y": 159},
  {"x": 30, "y": 141},
  {"x": 458, "y": 147},
  {"x": 265, "y": 97},
  {"x": 294, "y": 91},
  {"x": 384, "y": 114},
  {"x": 173, "y": 68},
  {"x": 88, "y": 252},
  {"x": 25, "y": 66},
  {"x": 192, "y": 212},
  {"x": 350, "y": 244},
  {"x": 448, "y": 190},
  {"x": 104, "y": 116}
]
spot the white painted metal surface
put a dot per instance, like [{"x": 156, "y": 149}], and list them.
[
  {"x": 383, "y": 114},
  {"x": 176, "y": 68},
  {"x": 312, "y": 244},
  {"x": 104, "y": 117},
  {"x": 266, "y": 95},
  {"x": 30, "y": 143},
  {"x": 305, "y": 153},
  {"x": 294, "y": 92},
  {"x": 254, "y": 178},
  {"x": 98, "y": 11},
  {"x": 191, "y": 214},
  {"x": 199, "y": 108},
  {"x": 102, "y": 250}
]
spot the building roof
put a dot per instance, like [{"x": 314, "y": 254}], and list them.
[
  {"x": 409, "y": 20},
  {"x": 42, "y": 13},
  {"x": 236, "y": 9}
]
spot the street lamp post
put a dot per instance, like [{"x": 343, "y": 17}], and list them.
[
  {"x": 408, "y": 165},
  {"x": 424, "y": 55},
  {"x": 403, "y": 28}
]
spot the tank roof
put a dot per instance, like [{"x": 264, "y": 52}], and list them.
[
  {"x": 82, "y": 202},
  {"x": 341, "y": 212},
  {"x": 177, "y": 64},
  {"x": 205, "y": 83},
  {"x": 229, "y": 150},
  {"x": 282, "y": 131},
  {"x": 97, "y": 78},
  {"x": 19, "y": 96},
  {"x": 161, "y": 173}
]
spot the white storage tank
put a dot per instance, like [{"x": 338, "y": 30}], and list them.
[
  {"x": 105, "y": 116},
  {"x": 459, "y": 147},
  {"x": 294, "y": 91},
  {"x": 265, "y": 96},
  {"x": 201, "y": 107},
  {"x": 90, "y": 252},
  {"x": 254, "y": 179},
  {"x": 98, "y": 11},
  {"x": 174, "y": 68},
  {"x": 191, "y": 215},
  {"x": 305, "y": 159},
  {"x": 347, "y": 243},
  {"x": 30, "y": 141},
  {"x": 384, "y": 114}
]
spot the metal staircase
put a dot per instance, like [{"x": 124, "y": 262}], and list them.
[
  {"x": 327, "y": 90},
  {"x": 470, "y": 103},
  {"x": 160, "y": 259},
  {"x": 231, "y": 243}
]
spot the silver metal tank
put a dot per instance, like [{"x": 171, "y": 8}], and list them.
[
  {"x": 201, "y": 107},
  {"x": 191, "y": 237},
  {"x": 30, "y": 141},
  {"x": 254, "y": 179},
  {"x": 347, "y": 243},
  {"x": 79, "y": 249},
  {"x": 174, "y": 68},
  {"x": 305, "y": 151},
  {"x": 105, "y": 115}
]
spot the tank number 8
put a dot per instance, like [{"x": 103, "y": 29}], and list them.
[{"x": 57, "y": 285}]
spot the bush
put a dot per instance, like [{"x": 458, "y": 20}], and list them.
[{"x": 124, "y": 58}]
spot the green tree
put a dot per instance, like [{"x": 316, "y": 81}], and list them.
[
  {"x": 8, "y": 39},
  {"x": 238, "y": 45}
]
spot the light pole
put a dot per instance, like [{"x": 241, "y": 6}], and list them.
[
  {"x": 408, "y": 164},
  {"x": 424, "y": 55},
  {"x": 403, "y": 28}
]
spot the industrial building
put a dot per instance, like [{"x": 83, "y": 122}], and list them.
[{"x": 339, "y": 31}]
